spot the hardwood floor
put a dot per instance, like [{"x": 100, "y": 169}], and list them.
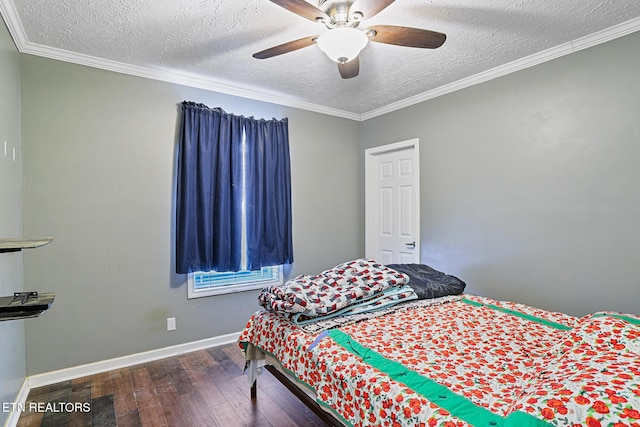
[{"x": 203, "y": 388}]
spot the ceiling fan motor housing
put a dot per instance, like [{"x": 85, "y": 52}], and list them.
[{"x": 338, "y": 10}]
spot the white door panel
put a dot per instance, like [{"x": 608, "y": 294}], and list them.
[{"x": 392, "y": 203}]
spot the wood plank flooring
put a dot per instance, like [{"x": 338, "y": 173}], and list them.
[{"x": 202, "y": 388}]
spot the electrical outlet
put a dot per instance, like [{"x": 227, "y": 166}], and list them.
[{"x": 171, "y": 323}]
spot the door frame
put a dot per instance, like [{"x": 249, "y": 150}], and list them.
[{"x": 369, "y": 195}]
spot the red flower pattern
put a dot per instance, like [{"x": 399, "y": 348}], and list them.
[{"x": 586, "y": 376}]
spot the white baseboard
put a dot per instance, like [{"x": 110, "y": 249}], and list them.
[
  {"x": 21, "y": 398},
  {"x": 67, "y": 374}
]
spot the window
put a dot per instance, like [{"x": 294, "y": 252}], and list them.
[
  {"x": 233, "y": 201},
  {"x": 203, "y": 284}
]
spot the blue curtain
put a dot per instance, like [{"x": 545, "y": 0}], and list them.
[
  {"x": 211, "y": 181},
  {"x": 268, "y": 194}
]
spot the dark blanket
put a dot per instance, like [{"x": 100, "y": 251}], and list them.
[{"x": 429, "y": 283}]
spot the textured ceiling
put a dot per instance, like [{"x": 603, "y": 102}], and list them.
[{"x": 211, "y": 43}]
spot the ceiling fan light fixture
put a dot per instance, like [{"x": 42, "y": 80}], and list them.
[{"x": 342, "y": 44}]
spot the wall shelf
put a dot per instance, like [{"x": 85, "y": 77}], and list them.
[
  {"x": 24, "y": 305},
  {"x": 20, "y": 243}
]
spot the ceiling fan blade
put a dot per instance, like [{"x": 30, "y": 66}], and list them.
[
  {"x": 406, "y": 36},
  {"x": 370, "y": 8},
  {"x": 285, "y": 47},
  {"x": 349, "y": 69},
  {"x": 304, "y": 9}
]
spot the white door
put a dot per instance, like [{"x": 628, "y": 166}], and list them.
[{"x": 392, "y": 188}]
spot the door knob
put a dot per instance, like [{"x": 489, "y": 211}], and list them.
[{"x": 411, "y": 245}]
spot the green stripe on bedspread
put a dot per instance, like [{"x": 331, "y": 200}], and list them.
[
  {"x": 458, "y": 406},
  {"x": 519, "y": 314},
  {"x": 626, "y": 318}
]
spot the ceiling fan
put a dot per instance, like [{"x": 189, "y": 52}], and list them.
[{"x": 344, "y": 40}]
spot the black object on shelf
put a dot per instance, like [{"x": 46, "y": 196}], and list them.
[{"x": 24, "y": 305}]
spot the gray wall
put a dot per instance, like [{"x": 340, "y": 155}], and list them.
[
  {"x": 12, "y": 346},
  {"x": 529, "y": 193},
  {"x": 530, "y": 182},
  {"x": 99, "y": 177}
]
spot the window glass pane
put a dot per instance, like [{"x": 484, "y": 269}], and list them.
[
  {"x": 213, "y": 278},
  {"x": 215, "y": 283}
]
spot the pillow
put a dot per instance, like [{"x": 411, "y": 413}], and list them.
[{"x": 429, "y": 283}]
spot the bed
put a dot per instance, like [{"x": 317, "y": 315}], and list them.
[{"x": 455, "y": 360}]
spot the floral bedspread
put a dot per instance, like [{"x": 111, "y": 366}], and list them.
[
  {"x": 475, "y": 361},
  {"x": 344, "y": 287}
]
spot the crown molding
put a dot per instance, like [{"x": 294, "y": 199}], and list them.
[
  {"x": 186, "y": 79},
  {"x": 23, "y": 45},
  {"x": 13, "y": 23},
  {"x": 585, "y": 42},
  {"x": 170, "y": 76}
]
